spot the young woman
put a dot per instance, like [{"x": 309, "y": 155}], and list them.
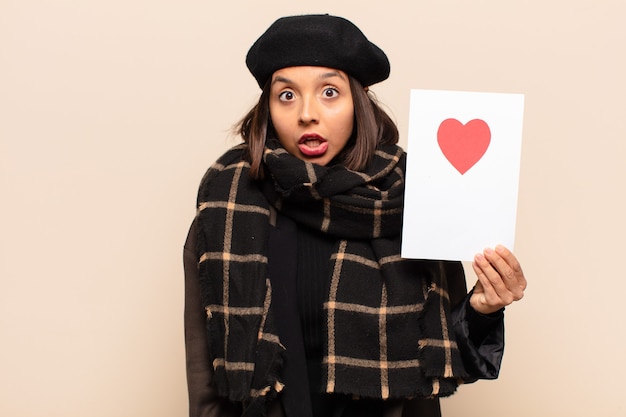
[{"x": 297, "y": 301}]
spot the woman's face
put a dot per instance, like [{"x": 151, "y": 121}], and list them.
[{"x": 312, "y": 111}]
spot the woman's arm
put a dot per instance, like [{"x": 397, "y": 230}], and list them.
[
  {"x": 480, "y": 337},
  {"x": 203, "y": 400},
  {"x": 478, "y": 317}
]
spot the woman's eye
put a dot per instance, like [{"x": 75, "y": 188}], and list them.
[
  {"x": 286, "y": 96},
  {"x": 330, "y": 92}
]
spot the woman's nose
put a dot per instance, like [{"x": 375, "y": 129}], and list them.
[{"x": 309, "y": 111}]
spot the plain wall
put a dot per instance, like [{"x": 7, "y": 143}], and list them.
[{"x": 111, "y": 111}]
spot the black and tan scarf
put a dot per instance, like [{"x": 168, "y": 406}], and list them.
[{"x": 388, "y": 329}]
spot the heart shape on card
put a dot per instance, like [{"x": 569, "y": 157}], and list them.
[{"x": 463, "y": 144}]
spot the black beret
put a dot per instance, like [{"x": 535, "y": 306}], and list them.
[{"x": 317, "y": 40}]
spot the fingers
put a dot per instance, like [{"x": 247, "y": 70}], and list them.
[
  {"x": 501, "y": 277},
  {"x": 490, "y": 293},
  {"x": 507, "y": 265}
]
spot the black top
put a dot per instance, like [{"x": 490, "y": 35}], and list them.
[{"x": 312, "y": 282}]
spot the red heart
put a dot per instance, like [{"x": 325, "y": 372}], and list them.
[{"x": 463, "y": 145}]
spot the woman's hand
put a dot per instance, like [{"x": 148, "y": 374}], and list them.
[{"x": 500, "y": 280}]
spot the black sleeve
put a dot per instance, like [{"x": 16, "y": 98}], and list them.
[
  {"x": 203, "y": 400},
  {"x": 480, "y": 337}
]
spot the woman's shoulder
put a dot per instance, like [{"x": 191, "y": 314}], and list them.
[{"x": 232, "y": 157}]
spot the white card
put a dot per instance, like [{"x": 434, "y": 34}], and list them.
[{"x": 462, "y": 173}]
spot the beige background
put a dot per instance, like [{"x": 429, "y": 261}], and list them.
[{"x": 110, "y": 112}]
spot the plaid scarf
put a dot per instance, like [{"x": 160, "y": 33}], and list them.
[{"x": 388, "y": 330}]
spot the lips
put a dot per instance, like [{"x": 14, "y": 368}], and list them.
[{"x": 312, "y": 145}]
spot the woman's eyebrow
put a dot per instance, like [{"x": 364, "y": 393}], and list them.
[
  {"x": 332, "y": 74},
  {"x": 279, "y": 79}
]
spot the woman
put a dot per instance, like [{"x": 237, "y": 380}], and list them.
[{"x": 297, "y": 301}]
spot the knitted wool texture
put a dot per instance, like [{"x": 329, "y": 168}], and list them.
[{"x": 387, "y": 318}]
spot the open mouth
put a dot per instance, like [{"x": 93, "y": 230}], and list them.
[{"x": 312, "y": 145}]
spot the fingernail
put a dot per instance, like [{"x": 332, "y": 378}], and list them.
[
  {"x": 479, "y": 257},
  {"x": 500, "y": 248},
  {"x": 488, "y": 251}
]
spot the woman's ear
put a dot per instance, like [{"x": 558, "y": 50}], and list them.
[{"x": 366, "y": 89}]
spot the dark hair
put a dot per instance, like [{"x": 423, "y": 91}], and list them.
[{"x": 372, "y": 127}]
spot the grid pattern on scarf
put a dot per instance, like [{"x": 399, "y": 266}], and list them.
[{"x": 387, "y": 318}]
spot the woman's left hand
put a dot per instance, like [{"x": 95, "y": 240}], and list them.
[{"x": 500, "y": 280}]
